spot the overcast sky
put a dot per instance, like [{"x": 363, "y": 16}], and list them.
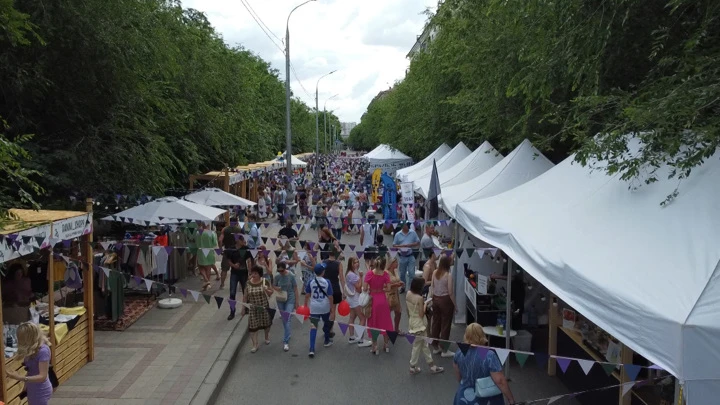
[{"x": 365, "y": 40}]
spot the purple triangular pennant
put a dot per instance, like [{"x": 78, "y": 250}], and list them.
[
  {"x": 563, "y": 363},
  {"x": 410, "y": 338},
  {"x": 232, "y": 304},
  {"x": 183, "y": 291},
  {"x": 285, "y": 316},
  {"x": 632, "y": 371},
  {"x": 169, "y": 249},
  {"x": 359, "y": 254},
  {"x": 352, "y": 247},
  {"x": 343, "y": 327}
]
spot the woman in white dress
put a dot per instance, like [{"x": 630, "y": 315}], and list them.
[{"x": 262, "y": 207}]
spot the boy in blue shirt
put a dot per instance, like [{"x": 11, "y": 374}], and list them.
[{"x": 319, "y": 293}]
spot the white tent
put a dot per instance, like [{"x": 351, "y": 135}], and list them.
[
  {"x": 458, "y": 153},
  {"x": 295, "y": 160},
  {"x": 166, "y": 210},
  {"x": 475, "y": 164},
  {"x": 441, "y": 151},
  {"x": 648, "y": 274},
  {"x": 521, "y": 165},
  {"x": 215, "y": 197},
  {"x": 387, "y": 159}
]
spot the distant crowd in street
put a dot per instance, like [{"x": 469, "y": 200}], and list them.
[{"x": 335, "y": 198}]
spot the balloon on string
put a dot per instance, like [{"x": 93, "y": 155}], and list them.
[
  {"x": 303, "y": 310},
  {"x": 343, "y": 308}
]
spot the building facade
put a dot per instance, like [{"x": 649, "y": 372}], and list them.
[{"x": 346, "y": 128}]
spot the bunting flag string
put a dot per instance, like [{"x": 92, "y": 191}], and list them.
[{"x": 632, "y": 370}]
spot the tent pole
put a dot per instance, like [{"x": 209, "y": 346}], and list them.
[{"x": 508, "y": 313}]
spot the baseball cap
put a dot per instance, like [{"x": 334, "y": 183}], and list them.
[{"x": 319, "y": 268}]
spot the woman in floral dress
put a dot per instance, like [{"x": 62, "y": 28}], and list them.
[{"x": 258, "y": 291}]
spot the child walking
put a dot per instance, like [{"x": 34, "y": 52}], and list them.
[
  {"x": 417, "y": 324},
  {"x": 319, "y": 293}
]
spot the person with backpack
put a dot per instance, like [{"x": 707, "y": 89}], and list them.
[{"x": 319, "y": 296}]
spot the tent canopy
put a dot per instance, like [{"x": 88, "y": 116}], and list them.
[
  {"x": 647, "y": 273},
  {"x": 458, "y": 153},
  {"x": 166, "y": 210},
  {"x": 475, "y": 164},
  {"x": 441, "y": 151},
  {"x": 521, "y": 165},
  {"x": 215, "y": 197},
  {"x": 387, "y": 159},
  {"x": 296, "y": 161}
]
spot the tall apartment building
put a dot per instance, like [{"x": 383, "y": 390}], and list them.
[{"x": 346, "y": 127}]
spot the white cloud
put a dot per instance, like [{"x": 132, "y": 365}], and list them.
[{"x": 365, "y": 40}]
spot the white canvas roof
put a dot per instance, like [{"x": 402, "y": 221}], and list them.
[
  {"x": 521, "y": 165},
  {"x": 387, "y": 159},
  {"x": 648, "y": 274},
  {"x": 458, "y": 153},
  {"x": 474, "y": 164},
  {"x": 441, "y": 151}
]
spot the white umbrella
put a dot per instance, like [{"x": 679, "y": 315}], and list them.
[
  {"x": 166, "y": 210},
  {"x": 215, "y": 197}
]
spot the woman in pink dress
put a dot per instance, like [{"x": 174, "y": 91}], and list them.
[{"x": 377, "y": 283}]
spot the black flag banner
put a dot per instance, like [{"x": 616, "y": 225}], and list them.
[{"x": 432, "y": 209}]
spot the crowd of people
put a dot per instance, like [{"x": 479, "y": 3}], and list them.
[{"x": 339, "y": 194}]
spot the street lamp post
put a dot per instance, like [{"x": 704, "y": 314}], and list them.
[
  {"x": 325, "y": 120},
  {"x": 317, "y": 122},
  {"x": 288, "y": 134}
]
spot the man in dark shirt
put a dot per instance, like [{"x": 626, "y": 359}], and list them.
[
  {"x": 227, "y": 241},
  {"x": 240, "y": 261},
  {"x": 288, "y": 231}
]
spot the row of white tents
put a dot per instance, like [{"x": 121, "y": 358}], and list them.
[{"x": 645, "y": 271}]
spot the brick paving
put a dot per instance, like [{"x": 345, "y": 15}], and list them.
[{"x": 162, "y": 359}]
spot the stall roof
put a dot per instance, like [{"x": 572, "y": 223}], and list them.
[
  {"x": 474, "y": 164},
  {"x": 450, "y": 159},
  {"x": 386, "y": 152},
  {"x": 524, "y": 163},
  {"x": 438, "y": 153},
  {"x": 646, "y": 272},
  {"x": 37, "y": 224}
]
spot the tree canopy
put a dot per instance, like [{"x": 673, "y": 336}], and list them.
[
  {"x": 132, "y": 96},
  {"x": 571, "y": 76}
]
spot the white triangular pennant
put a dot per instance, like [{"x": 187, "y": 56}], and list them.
[
  {"x": 206, "y": 251},
  {"x": 106, "y": 271},
  {"x": 393, "y": 253},
  {"x": 242, "y": 225},
  {"x": 502, "y": 354},
  {"x": 627, "y": 387},
  {"x": 586, "y": 365},
  {"x": 300, "y": 317},
  {"x": 254, "y": 252},
  {"x": 437, "y": 252},
  {"x": 480, "y": 252},
  {"x": 302, "y": 254},
  {"x": 359, "y": 331},
  {"x": 148, "y": 283},
  {"x": 428, "y": 340},
  {"x": 156, "y": 249},
  {"x": 194, "y": 294},
  {"x": 67, "y": 259},
  {"x": 555, "y": 398},
  {"x": 493, "y": 252},
  {"x": 105, "y": 245},
  {"x": 307, "y": 226}
]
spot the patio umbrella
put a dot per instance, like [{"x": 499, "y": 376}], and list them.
[
  {"x": 215, "y": 197},
  {"x": 166, "y": 210}
]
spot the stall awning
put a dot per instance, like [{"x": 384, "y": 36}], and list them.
[{"x": 29, "y": 230}]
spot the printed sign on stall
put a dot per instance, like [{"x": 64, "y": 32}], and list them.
[{"x": 72, "y": 228}]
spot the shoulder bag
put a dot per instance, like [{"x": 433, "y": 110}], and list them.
[{"x": 485, "y": 388}]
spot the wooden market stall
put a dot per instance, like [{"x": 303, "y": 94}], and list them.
[{"x": 34, "y": 234}]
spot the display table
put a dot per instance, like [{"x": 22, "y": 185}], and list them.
[{"x": 492, "y": 331}]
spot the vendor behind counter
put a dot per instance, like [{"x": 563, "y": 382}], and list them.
[{"x": 17, "y": 294}]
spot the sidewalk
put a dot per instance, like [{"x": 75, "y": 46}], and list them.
[{"x": 169, "y": 356}]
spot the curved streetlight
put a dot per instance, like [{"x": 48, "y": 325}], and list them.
[
  {"x": 317, "y": 121},
  {"x": 325, "y": 118},
  {"x": 288, "y": 134}
]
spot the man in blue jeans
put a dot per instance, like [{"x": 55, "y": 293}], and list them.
[
  {"x": 240, "y": 261},
  {"x": 406, "y": 240},
  {"x": 285, "y": 281},
  {"x": 319, "y": 293}
]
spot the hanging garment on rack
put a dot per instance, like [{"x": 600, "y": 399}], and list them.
[
  {"x": 161, "y": 260},
  {"x": 115, "y": 300}
]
